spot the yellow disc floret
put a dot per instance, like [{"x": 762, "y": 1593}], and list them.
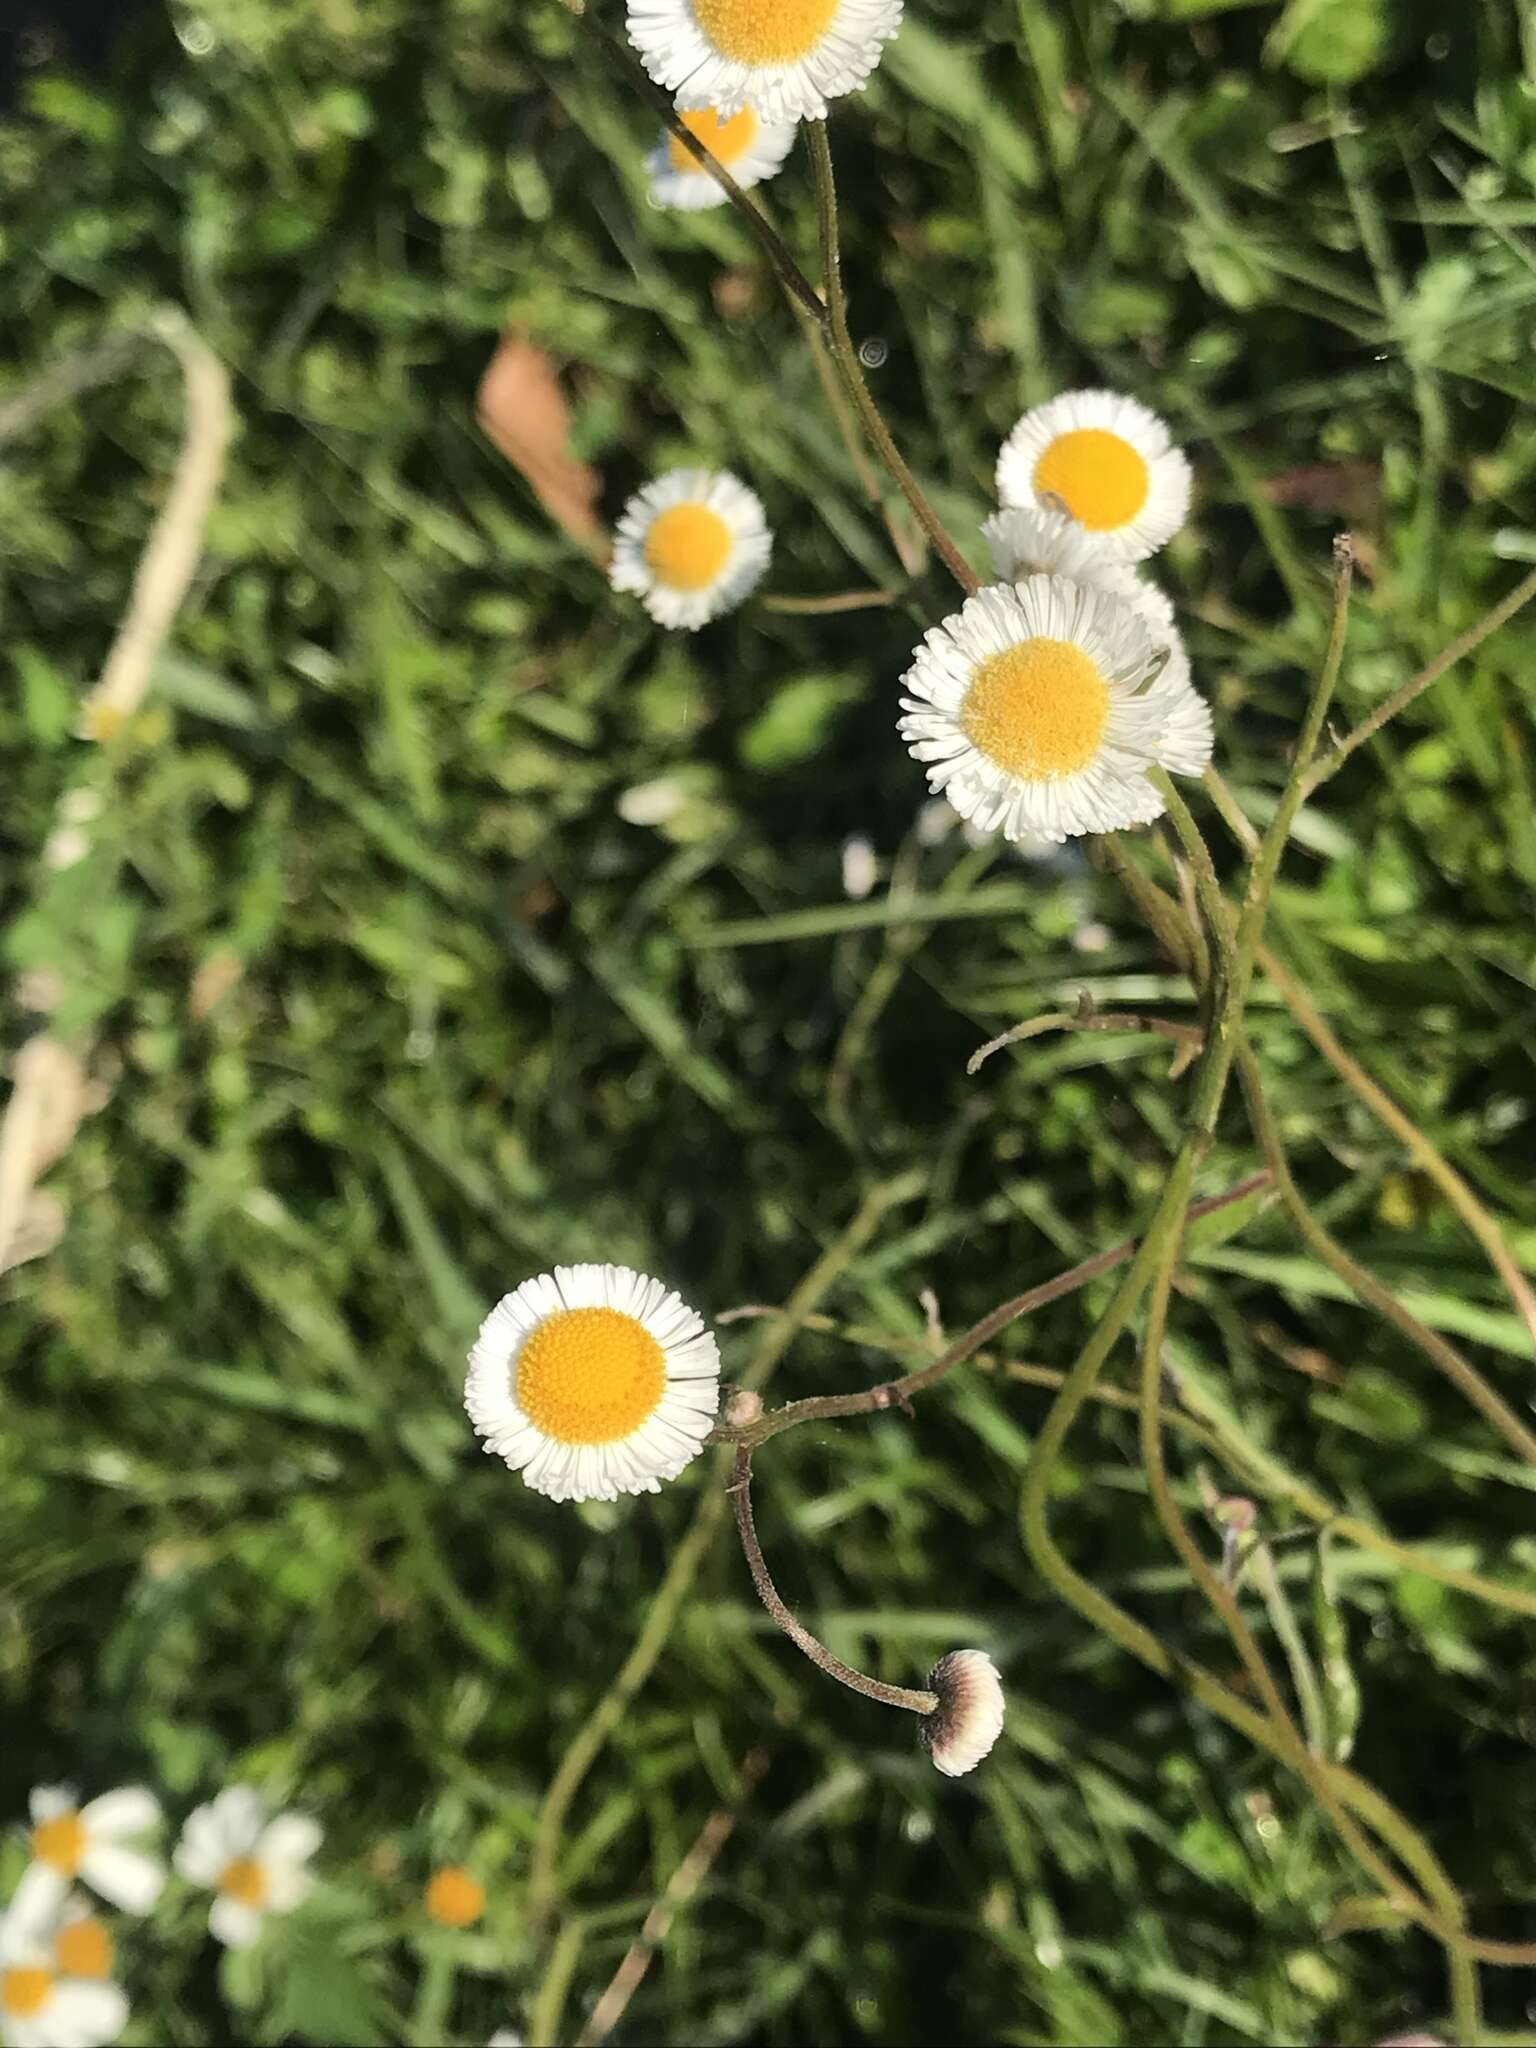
[
  {"x": 24, "y": 1993},
  {"x": 83, "y": 1949},
  {"x": 1101, "y": 479},
  {"x": 688, "y": 546},
  {"x": 60, "y": 1842},
  {"x": 728, "y": 141},
  {"x": 455, "y": 1897},
  {"x": 590, "y": 1376},
  {"x": 765, "y": 31},
  {"x": 245, "y": 1882},
  {"x": 1039, "y": 709}
]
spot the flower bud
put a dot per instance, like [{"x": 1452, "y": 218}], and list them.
[{"x": 969, "y": 1717}]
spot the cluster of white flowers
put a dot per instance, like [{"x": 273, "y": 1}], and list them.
[{"x": 57, "y": 1988}]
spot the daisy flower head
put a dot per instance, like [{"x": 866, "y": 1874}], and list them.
[
  {"x": 750, "y": 148},
  {"x": 1104, "y": 460},
  {"x": 255, "y": 1866},
  {"x": 969, "y": 1717},
  {"x": 55, "y": 1972},
  {"x": 691, "y": 545},
  {"x": 593, "y": 1381},
  {"x": 1030, "y": 711},
  {"x": 1032, "y": 540},
  {"x": 783, "y": 58},
  {"x": 91, "y": 1843}
]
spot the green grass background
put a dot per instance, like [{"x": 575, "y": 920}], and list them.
[{"x": 478, "y": 1023}]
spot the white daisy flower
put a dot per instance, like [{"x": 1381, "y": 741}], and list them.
[
  {"x": 1030, "y": 712},
  {"x": 751, "y": 149},
  {"x": 692, "y": 545},
  {"x": 54, "y": 1976},
  {"x": 593, "y": 1381},
  {"x": 255, "y": 1865},
  {"x": 969, "y": 1717},
  {"x": 70, "y": 1841},
  {"x": 1104, "y": 460},
  {"x": 1030, "y": 541},
  {"x": 783, "y": 58}
]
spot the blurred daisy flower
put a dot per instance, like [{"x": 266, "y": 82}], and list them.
[
  {"x": 1029, "y": 542},
  {"x": 1030, "y": 710},
  {"x": 593, "y": 1381},
  {"x": 783, "y": 58},
  {"x": 255, "y": 1865},
  {"x": 750, "y": 148},
  {"x": 969, "y": 1717},
  {"x": 1104, "y": 460},
  {"x": 691, "y": 545},
  {"x": 55, "y": 1970},
  {"x": 70, "y": 1841},
  {"x": 455, "y": 1897}
]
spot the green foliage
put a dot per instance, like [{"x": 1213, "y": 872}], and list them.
[{"x": 407, "y": 984}]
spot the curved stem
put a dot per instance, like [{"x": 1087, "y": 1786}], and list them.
[
  {"x": 1363, "y": 1283},
  {"x": 798, "y": 1633},
  {"x": 846, "y": 360},
  {"x": 1187, "y": 1035},
  {"x": 897, "y": 1393}
]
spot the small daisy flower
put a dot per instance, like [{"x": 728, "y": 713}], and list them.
[
  {"x": 455, "y": 1897},
  {"x": 70, "y": 1841},
  {"x": 255, "y": 1865},
  {"x": 1104, "y": 460},
  {"x": 55, "y": 1966},
  {"x": 783, "y": 58},
  {"x": 1029, "y": 710},
  {"x": 1029, "y": 541},
  {"x": 969, "y": 1717},
  {"x": 692, "y": 545},
  {"x": 593, "y": 1381},
  {"x": 751, "y": 149}
]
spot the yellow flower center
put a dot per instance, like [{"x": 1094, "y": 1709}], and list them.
[
  {"x": 1039, "y": 709},
  {"x": 688, "y": 546},
  {"x": 60, "y": 1842},
  {"x": 1101, "y": 479},
  {"x": 727, "y": 140},
  {"x": 245, "y": 1882},
  {"x": 765, "y": 31},
  {"x": 455, "y": 1898},
  {"x": 24, "y": 1993},
  {"x": 83, "y": 1949},
  {"x": 590, "y": 1376}
]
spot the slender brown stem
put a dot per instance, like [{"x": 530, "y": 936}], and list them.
[
  {"x": 799, "y": 1635},
  {"x": 876, "y": 1400},
  {"x": 1074, "y": 1020},
  {"x": 772, "y": 243},
  {"x": 1465, "y": 644},
  {"x": 839, "y": 601},
  {"x": 845, "y": 358}
]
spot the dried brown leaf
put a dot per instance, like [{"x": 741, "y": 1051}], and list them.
[{"x": 523, "y": 410}]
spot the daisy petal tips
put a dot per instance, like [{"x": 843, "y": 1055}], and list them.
[
  {"x": 1107, "y": 463},
  {"x": 751, "y": 149},
  {"x": 1031, "y": 712},
  {"x": 593, "y": 1381},
  {"x": 785, "y": 59},
  {"x": 691, "y": 545}
]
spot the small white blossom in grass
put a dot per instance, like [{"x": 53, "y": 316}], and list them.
[
  {"x": 861, "y": 870},
  {"x": 92, "y": 1843},
  {"x": 593, "y": 1381},
  {"x": 783, "y": 58},
  {"x": 255, "y": 1866},
  {"x": 1104, "y": 460},
  {"x": 969, "y": 1717},
  {"x": 55, "y": 1965},
  {"x": 751, "y": 149},
  {"x": 505, "y": 2037},
  {"x": 1029, "y": 541},
  {"x": 1030, "y": 711},
  {"x": 690, "y": 546}
]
